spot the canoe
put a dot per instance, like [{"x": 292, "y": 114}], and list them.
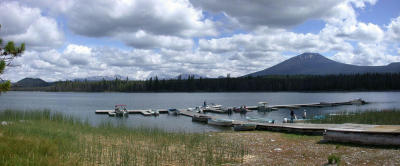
[
  {"x": 220, "y": 122},
  {"x": 244, "y": 127},
  {"x": 200, "y": 118}
]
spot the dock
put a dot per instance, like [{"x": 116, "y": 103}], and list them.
[
  {"x": 143, "y": 112},
  {"x": 346, "y": 133}
]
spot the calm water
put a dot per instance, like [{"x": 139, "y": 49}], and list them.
[{"x": 83, "y": 105}]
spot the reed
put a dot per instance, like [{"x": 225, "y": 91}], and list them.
[
  {"x": 42, "y": 137},
  {"x": 379, "y": 117}
]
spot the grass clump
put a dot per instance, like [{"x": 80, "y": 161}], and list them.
[
  {"x": 383, "y": 117},
  {"x": 41, "y": 137},
  {"x": 333, "y": 159}
]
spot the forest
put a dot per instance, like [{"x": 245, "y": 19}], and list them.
[{"x": 355, "y": 82}]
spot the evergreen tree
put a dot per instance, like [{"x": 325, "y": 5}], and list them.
[{"x": 7, "y": 54}]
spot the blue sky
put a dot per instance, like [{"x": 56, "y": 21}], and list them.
[{"x": 69, "y": 39}]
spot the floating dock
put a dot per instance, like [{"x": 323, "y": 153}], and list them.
[
  {"x": 143, "y": 112},
  {"x": 345, "y": 133}
]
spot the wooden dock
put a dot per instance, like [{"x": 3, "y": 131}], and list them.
[
  {"x": 346, "y": 133},
  {"x": 143, "y": 112}
]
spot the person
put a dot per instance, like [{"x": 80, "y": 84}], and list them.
[
  {"x": 205, "y": 104},
  {"x": 291, "y": 116},
  {"x": 304, "y": 114}
]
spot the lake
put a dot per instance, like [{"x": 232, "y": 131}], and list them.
[{"x": 83, "y": 105}]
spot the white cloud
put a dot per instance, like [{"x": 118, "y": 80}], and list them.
[
  {"x": 159, "y": 17},
  {"x": 143, "y": 40},
  {"x": 24, "y": 24},
  {"x": 393, "y": 32},
  {"x": 162, "y": 36}
]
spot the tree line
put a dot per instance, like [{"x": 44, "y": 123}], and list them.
[{"x": 355, "y": 82}]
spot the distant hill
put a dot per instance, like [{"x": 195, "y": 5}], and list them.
[
  {"x": 31, "y": 82},
  {"x": 316, "y": 64}
]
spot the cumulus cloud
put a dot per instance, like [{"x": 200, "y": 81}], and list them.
[
  {"x": 144, "y": 40},
  {"x": 25, "y": 24},
  {"x": 168, "y": 38},
  {"x": 107, "y": 17},
  {"x": 394, "y": 30}
]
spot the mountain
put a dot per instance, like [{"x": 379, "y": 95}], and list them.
[
  {"x": 31, "y": 82},
  {"x": 186, "y": 76},
  {"x": 316, "y": 64},
  {"x": 100, "y": 78}
]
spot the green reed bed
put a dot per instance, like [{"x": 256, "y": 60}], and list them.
[
  {"x": 41, "y": 137},
  {"x": 379, "y": 117}
]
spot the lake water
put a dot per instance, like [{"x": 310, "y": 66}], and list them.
[{"x": 83, "y": 105}]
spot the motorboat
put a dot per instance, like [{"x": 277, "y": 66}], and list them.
[
  {"x": 173, "y": 111},
  {"x": 119, "y": 111}
]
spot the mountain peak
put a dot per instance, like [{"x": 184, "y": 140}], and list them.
[
  {"x": 309, "y": 56},
  {"x": 316, "y": 64}
]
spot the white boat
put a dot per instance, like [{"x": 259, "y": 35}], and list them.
[
  {"x": 156, "y": 112},
  {"x": 118, "y": 111},
  {"x": 173, "y": 111},
  {"x": 220, "y": 122},
  {"x": 263, "y": 107}
]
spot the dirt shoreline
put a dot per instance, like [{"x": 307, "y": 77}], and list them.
[{"x": 273, "y": 148}]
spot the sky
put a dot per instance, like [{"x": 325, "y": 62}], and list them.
[{"x": 139, "y": 39}]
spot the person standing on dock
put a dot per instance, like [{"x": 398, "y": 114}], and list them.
[
  {"x": 291, "y": 115},
  {"x": 205, "y": 104},
  {"x": 304, "y": 114}
]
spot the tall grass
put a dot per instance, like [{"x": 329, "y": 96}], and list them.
[
  {"x": 42, "y": 137},
  {"x": 379, "y": 117}
]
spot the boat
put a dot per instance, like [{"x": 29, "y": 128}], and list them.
[
  {"x": 118, "y": 111},
  {"x": 220, "y": 122},
  {"x": 173, "y": 111},
  {"x": 260, "y": 120},
  {"x": 111, "y": 113},
  {"x": 245, "y": 127},
  {"x": 156, "y": 112},
  {"x": 262, "y": 107},
  {"x": 200, "y": 118}
]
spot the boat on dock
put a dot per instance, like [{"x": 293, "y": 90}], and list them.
[
  {"x": 156, "y": 112},
  {"x": 244, "y": 127},
  {"x": 119, "y": 111},
  {"x": 173, "y": 111},
  {"x": 220, "y": 122},
  {"x": 200, "y": 118}
]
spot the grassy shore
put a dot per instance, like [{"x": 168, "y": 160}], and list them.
[
  {"x": 41, "y": 137},
  {"x": 381, "y": 117}
]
